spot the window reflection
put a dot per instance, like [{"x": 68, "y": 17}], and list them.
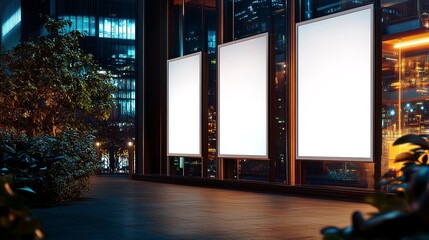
[
  {"x": 405, "y": 77},
  {"x": 251, "y": 18},
  {"x": 315, "y": 8},
  {"x": 350, "y": 174},
  {"x": 190, "y": 167},
  {"x": 108, "y": 27},
  {"x": 11, "y": 22},
  {"x": 83, "y": 24}
]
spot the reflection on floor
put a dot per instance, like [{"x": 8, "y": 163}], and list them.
[{"x": 119, "y": 208}]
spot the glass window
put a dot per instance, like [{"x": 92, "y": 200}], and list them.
[
  {"x": 251, "y": 18},
  {"x": 73, "y": 23},
  {"x": 188, "y": 35},
  {"x": 316, "y": 8},
  {"x": 192, "y": 28},
  {"x": 101, "y": 27},
  {"x": 107, "y": 27},
  {"x": 67, "y": 27},
  {"x": 132, "y": 52},
  {"x": 92, "y": 26},
  {"x": 122, "y": 29},
  {"x": 405, "y": 77},
  {"x": 131, "y": 29},
  {"x": 85, "y": 25},
  {"x": 79, "y": 24},
  {"x": 11, "y": 22},
  {"x": 115, "y": 28}
]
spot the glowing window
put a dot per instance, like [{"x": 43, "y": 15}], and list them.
[
  {"x": 92, "y": 26},
  {"x": 101, "y": 27},
  {"x": 11, "y": 23},
  {"x": 107, "y": 27},
  {"x": 115, "y": 28}
]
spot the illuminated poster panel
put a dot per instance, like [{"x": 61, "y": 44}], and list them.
[
  {"x": 335, "y": 87},
  {"x": 243, "y": 98},
  {"x": 184, "y": 106}
]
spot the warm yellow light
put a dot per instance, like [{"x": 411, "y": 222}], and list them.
[
  {"x": 130, "y": 144},
  {"x": 412, "y": 43},
  {"x": 97, "y": 144}
]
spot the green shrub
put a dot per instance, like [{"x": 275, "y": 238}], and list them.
[
  {"x": 56, "y": 168},
  {"x": 69, "y": 179}
]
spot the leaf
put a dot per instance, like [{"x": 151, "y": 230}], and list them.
[
  {"x": 385, "y": 203},
  {"x": 404, "y": 157},
  {"x": 412, "y": 139},
  {"x": 57, "y": 158},
  {"x": 417, "y": 149},
  {"x": 9, "y": 149},
  {"x": 26, "y": 189},
  {"x": 21, "y": 179},
  {"x": 425, "y": 159}
]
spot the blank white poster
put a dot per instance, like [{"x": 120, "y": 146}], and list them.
[
  {"x": 243, "y": 98},
  {"x": 335, "y": 87},
  {"x": 184, "y": 106}
]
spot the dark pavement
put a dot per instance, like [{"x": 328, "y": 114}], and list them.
[{"x": 119, "y": 208}]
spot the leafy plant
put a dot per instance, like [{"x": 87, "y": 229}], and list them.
[
  {"x": 15, "y": 218},
  {"x": 19, "y": 163},
  {"x": 69, "y": 179},
  {"x": 57, "y": 168},
  {"x": 404, "y": 214},
  {"x": 50, "y": 84}
]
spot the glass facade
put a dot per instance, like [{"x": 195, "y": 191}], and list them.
[
  {"x": 251, "y": 18},
  {"x": 350, "y": 174},
  {"x": 405, "y": 76},
  {"x": 194, "y": 28},
  {"x": 404, "y": 82},
  {"x": 243, "y": 18}
]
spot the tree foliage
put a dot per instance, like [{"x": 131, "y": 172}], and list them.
[{"x": 50, "y": 84}]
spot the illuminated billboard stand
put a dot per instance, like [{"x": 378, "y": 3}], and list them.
[
  {"x": 335, "y": 78},
  {"x": 243, "y": 88},
  {"x": 186, "y": 125}
]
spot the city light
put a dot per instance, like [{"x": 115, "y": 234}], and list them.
[
  {"x": 130, "y": 143},
  {"x": 412, "y": 43},
  {"x": 97, "y": 144}
]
